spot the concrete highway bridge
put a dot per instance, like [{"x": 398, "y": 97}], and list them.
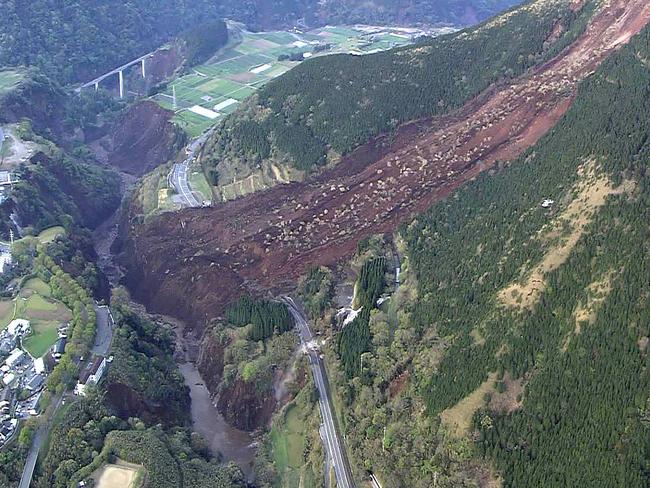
[{"x": 120, "y": 74}]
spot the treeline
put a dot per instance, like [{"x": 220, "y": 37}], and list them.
[
  {"x": 355, "y": 338},
  {"x": 204, "y": 40},
  {"x": 316, "y": 290},
  {"x": 74, "y": 41},
  {"x": 175, "y": 459},
  {"x": 335, "y": 103},
  {"x": 273, "y": 14},
  {"x": 83, "y": 326},
  {"x": 265, "y": 317}
]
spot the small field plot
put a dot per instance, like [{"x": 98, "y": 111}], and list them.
[
  {"x": 37, "y": 285},
  {"x": 6, "y": 312},
  {"x": 280, "y": 37},
  {"x": 9, "y": 79},
  {"x": 200, "y": 185},
  {"x": 35, "y": 304},
  {"x": 118, "y": 476},
  {"x": 48, "y": 235},
  {"x": 288, "y": 442},
  {"x": 219, "y": 87}
]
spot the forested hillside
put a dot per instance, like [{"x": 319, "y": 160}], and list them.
[
  {"x": 328, "y": 106},
  {"x": 267, "y": 14},
  {"x": 73, "y": 41},
  {"x": 528, "y": 340}
]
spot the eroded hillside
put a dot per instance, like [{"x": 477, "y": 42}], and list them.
[{"x": 270, "y": 238}]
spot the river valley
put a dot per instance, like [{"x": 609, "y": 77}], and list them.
[{"x": 225, "y": 441}]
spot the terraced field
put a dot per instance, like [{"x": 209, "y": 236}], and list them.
[{"x": 215, "y": 89}]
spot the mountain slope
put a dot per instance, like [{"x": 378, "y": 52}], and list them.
[
  {"x": 269, "y": 14},
  {"x": 526, "y": 331},
  {"x": 73, "y": 41},
  {"x": 328, "y": 106},
  {"x": 249, "y": 241}
]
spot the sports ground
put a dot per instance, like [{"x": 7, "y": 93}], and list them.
[{"x": 215, "y": 89}]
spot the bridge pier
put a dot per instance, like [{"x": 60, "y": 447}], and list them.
[
  {"x": 144, "y": 74},
  {"x": 121, "y": 76},
  {"x": 96, "y": 85}
]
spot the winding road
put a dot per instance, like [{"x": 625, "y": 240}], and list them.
[{"x": 329, "y": 430}]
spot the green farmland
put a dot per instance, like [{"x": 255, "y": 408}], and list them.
[
  {"x": 34, "y": 303},
  {"x": 215, "y": 89}
]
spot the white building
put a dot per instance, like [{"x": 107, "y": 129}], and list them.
[
  {"x": 39, "y": 366},
  {"x": 9, "y": 379},
  {"x": 91, "y": 375},
  {"x": 19, "y": 327},
  {"x": 14, "y": 358}
]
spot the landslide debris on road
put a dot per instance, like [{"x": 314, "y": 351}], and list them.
[{"x": 193, "y": 262}]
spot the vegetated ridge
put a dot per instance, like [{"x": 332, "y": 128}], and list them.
[{"x": 327, "y": 107}]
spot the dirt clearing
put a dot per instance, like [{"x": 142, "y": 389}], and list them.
[
  {"x": 562, "y": 234},
  {"x": 458, "y": 419},
  {"x": 117, "y": 476}
]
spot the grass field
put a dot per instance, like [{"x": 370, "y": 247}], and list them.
[
  {"x": 34, "y": 303},
  {"x": 9, "y": 79},
  {"x": 6, "y": 312},
  {"x": 288, "y": 440},
  {"x": 48, "y": 235},
  {"x": 199, "y": 184},
  {"x": 235, "y": 73}
]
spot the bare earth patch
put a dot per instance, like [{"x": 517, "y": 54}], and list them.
[
  {"x": 116, "y": 476},
  {"x": 510, "y": 399},
  {"x": 562, "y": 234},
  {"x": 458, "y": 419},
  {"x": 596, "y": 294}
]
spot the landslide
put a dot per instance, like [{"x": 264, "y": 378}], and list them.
[
  {"x": 195, "y": 261},
  {"x": 141, "y": 139},
  {"x": 329, "y": 105}
]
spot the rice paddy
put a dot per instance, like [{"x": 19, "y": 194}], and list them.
[{"x": 222, "y": 83}]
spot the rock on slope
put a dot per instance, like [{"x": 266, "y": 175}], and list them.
[{"x": 195, "y": 261}]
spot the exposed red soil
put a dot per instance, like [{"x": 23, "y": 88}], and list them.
[
  {"x": 193, "y": 262},
  {"x": 143, "y": 138},
  {"x": 245, "y": 407}
]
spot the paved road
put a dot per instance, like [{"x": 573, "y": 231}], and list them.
[
  {"x": 179, "y": 175},
  {"x": 39, "y": 439},
  {"x": 104, "y": 331},
  {"x": 333, "y": 444}
]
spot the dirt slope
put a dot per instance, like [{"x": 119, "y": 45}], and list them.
[
  {"x": 190, "y": 264},
  {"x": 143, "y": 138}
]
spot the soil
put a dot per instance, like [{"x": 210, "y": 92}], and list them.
[
  {"x": 196, "y": 261},
  {"x": 143, "y": 138}
]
